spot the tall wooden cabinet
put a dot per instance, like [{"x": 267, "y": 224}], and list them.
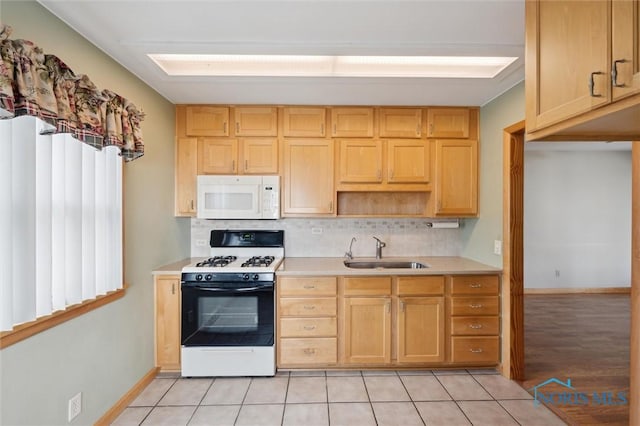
[
  {"x": 167, "y": 321},
  {"x": 583, "y": 69}
]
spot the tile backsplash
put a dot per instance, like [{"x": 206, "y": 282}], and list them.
[{"x": 309, "y": 237}]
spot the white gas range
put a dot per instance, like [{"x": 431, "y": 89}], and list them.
[{"x": 228, "y": 305}]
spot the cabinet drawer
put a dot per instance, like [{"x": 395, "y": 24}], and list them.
[
  {"x": 488, "y": 305},
  {"x": 475, "y": 325},
  {"x": 308, "y": 327},
  {"x": 475, "y": 349},
  {"x": 314, "y": 286},
  {"x": 419, "y": 286},
  {"x": 308, "y": 307},
  {"x": 367, "y": 286},
  {"x": 323, "y": 350},
  {"x": 475, "y": 284}
]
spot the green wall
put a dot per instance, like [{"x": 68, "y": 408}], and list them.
[
  {"x": 479, "y": 234},
  {"x": 105, "y": 352}
]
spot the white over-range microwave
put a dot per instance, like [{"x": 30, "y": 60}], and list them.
[{"x": 238, "y": 197}]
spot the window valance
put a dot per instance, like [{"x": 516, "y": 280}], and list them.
[{"x": 37, "y": 84}]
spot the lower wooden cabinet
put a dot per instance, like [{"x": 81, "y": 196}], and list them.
[
  {"x": 367, "y": 330},
  {"x": 167, "y": 321},
  {"x": 387, "y": 321},
  {"x": 307, "y": 321}
]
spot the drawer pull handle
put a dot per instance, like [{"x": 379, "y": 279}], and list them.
[
  {"x": 309, "y": 307},
  {"x": 309, "y": 327},
  {"x": 476, "y": 351},
  {"x": 475, "y": 305},
  {"x": 309, "y": 286},
  {"x": 475, "y": 326},
  {"x": 309, "y": 351},
  {"x": 477, "y": 285}
]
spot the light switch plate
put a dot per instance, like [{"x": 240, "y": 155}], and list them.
[{"x": 497, "y": 247}]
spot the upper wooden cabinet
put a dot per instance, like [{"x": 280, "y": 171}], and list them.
[
  {"x": 456, "y": 177},
  {"x": 393, "y": 161},
  {"x": 304, "y": 121},
  {"x": 400, "y": 122},
  {"x": 256, "y": 121},
  {"x": 308, "y": 177},
  {"x": 360, "y": 161},
  {"x": 352, "y": 122},
  {"x": 448, "y": 123},
  {"x": 407, "y": 161},
  {"x": 185, "y": 176},
  {"x": 583, "y": 69},
  {"x": 243, "y": 156},
  {"x": 207, "y": 121}
]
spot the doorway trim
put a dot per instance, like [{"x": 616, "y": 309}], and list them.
[{"x": 513, "y": 257}]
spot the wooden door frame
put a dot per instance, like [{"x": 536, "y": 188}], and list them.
[
  {"x": 513, "y": 258},
  {"x": 513, "y": 271}
]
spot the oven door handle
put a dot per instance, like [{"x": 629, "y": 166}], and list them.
[{"x": 236, "y": 290}]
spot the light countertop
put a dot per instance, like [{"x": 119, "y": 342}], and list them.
[{"x": 291, "y": 266}]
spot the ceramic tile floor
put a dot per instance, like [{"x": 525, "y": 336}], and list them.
[{"x": 350, "y": 398}]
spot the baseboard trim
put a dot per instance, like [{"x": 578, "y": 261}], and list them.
[
  {"x": 127, "y": 398},
  {"x": 582, "y": 290}
]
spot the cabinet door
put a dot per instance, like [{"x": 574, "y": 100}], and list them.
[
  {"x": 367, "y": 330},
  {"x": 308, "y": 177},
  {"x": 304, "y": 122},
  {"x": 167, "y": 322},
  {"x": 420, "y": 329},
  {"x": 448, "y": 123},
  {"x": 625, "y": 44},
  {"x": 360, "y": 161},
  {"x": 567, "y": 48},
  {"x": 217, "y": 156},
  {"x": 456, "y": 177},
  {"x": 256, "y": 121},
  {"x": 407, "y": 161},
  {"x": 352, "y": 122},
  {"x": 207, "y": 121},
  {"x": 400, "y": 122},
  {"x": 260, "y": 156},
  {"x": 186, "y": 171}
]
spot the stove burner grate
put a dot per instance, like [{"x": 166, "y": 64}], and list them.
[
  {"x": 217, "y": 261},
  {"x": 258, "y": 261}
]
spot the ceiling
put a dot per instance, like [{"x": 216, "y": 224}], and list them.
[{"x": 128, "y": 30}]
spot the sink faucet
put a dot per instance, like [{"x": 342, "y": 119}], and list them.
[
  {"x": 379, "y": 245},
  {"x": 348, "y": 254}
]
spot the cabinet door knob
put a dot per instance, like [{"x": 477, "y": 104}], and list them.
[
  {"x": 237, "y": 127},
  {"x": 475, "y": 305},
  {"x": 475, "y": 326},
  {"x": 402, "y": 306},
  {"x": 309, "y": 351},
  {"x": 309, "y": 327},
  {"x": 224, "y": 128},
  {"x": 322, "y": 129},
  {"x": 233, "y": 165},
  {"x": 476, "y": 351},
  {"x": 309, "y": 307},
  {"x": 173, "y": 288},
  {"x": 246, "y": 165},
  {"x": 476, "y": 285},
  {"x": 309, "y": 286}
]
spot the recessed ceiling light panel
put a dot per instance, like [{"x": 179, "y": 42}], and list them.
[{"x": 331, "y": 66}]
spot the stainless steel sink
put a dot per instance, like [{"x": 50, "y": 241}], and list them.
[{"x": 383, "y": 264}]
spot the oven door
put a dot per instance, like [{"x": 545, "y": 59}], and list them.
[{"x": 213, "y": 315}]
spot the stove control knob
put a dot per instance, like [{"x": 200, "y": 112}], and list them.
[
  {"x": 199, "y": 277},
  {"x": 245, "y": 277},
  {"x": 256, "y": 277},
  {"x": 208, "y": 277}
]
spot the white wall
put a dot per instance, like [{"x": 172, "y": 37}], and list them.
[
  {"x": 577, "y": 219},
  {"x": 479, "y": 234},
  {"x": 105, "y": 352}
]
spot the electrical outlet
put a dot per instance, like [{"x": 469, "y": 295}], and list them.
[
  {"x": 75, "y": 406},
  {"x": 316, "y": 231},
  {"x": 557, "y": 273},
  {"x": 497, "y": 247},
  {"x": 201, "y": 243}
]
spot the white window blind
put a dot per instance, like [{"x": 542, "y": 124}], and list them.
[{"x": 61, "y": 221}]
